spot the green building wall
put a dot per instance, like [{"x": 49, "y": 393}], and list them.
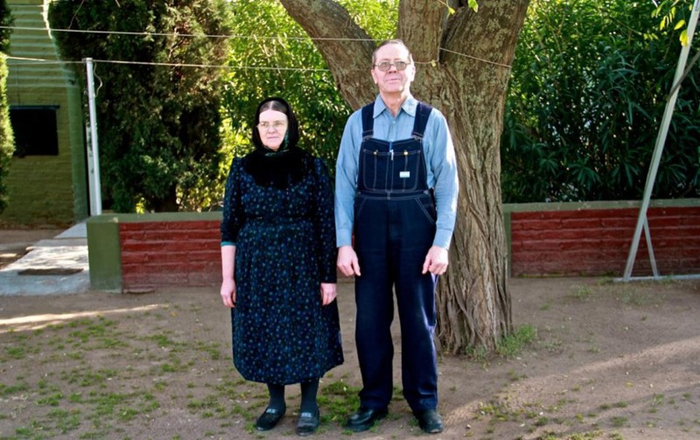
[{"x": 45, "y": 189}]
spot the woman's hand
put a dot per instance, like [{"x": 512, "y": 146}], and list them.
[
  {"x": 228, "y": 293},
  {"x": 328, "y": 293}
]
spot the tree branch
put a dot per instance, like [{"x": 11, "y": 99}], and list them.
[{"x": 341, "y": 43}]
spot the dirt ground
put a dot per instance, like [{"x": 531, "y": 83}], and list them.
[{"x": 609, "y": 361}]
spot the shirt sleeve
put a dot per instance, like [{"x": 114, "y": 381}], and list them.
[
  {"x": 346, "y": 179},
  {"x": 233, "y": 213},
  {"x": 324, "y": 224},
  {"x": 444, "y": 168}
]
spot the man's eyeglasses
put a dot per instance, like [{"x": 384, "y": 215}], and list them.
[
  {"x": 276, "y": 125},
  {"x": 386, "y": 65}
]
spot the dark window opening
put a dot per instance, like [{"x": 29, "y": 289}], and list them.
[{"x": 35, "y": 130}]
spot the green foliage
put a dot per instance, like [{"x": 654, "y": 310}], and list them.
[
  {"x": 587, "y": 95},
  {"x": 7, "y": 142},
  {"x": 674, "y": 13},
  {"x": 266, "y": 59},
  {"x": 378, "y": 17},
  {"x": 158, "y": 125},
  {"x": 6, "y": 19}
]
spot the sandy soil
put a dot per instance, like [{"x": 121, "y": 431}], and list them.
[{"x": 610, "y": 361}]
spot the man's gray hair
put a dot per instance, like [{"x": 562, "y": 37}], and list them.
[{"x": 386, "y": 43}]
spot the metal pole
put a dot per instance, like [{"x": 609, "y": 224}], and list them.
[
  {"x": 93, "y": 136},
  {"x": 650, "y": 248},
  {"x": 660, "y": 141}
]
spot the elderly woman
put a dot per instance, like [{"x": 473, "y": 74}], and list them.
[{"x": 278, "y": 258}]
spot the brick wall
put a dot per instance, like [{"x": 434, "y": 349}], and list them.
[
  {"x": 158, "y": 250},
  {"x": 170, "y": 253},
  {"x": 597, "y": 241}
]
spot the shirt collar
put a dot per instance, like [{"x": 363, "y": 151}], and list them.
[{"x": 409, "y": 106}]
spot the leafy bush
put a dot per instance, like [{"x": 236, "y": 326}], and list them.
[
  {"x": 7, "y": 144},
  {"x": 158, "y": 125},
  {"x": 589, "y": 88}
]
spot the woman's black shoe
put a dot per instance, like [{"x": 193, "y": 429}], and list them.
[
  {"x": 269, "y": 419},
  {"x": 308, "y": 423}
]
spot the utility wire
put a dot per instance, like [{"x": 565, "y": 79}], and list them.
[
  {"x": 252, "y": 37},
  {"x": 177, "y": 34},
  {"x": 35, "y": 61},
  {"x": 145, "y": 63}
]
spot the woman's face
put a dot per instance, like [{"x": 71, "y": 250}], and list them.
[{"x": 272, "y": 127}]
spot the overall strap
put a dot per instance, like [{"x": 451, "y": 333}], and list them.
[
  {"x": 422, "y": 113},
  {"x": 367, "y": 121}
]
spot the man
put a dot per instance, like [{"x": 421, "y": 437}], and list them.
[{"x": 396, "y": 190}]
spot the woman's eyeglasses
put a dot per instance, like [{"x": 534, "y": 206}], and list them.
[
  {"x": 276, "y": 125},
  {"x": 386, "y": 65}
]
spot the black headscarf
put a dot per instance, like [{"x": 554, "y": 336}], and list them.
[{"x": 282, "y": 167}]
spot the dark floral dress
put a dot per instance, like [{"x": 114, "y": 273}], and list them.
[{"x": 285, "y": 248}]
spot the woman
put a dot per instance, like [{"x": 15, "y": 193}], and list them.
[{"x": 278, "y": 259}]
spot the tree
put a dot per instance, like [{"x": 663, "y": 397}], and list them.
[
  {"x": 158, "y": 125},
  {"x": 463, "y": 63},
  {"x": 7, "y": 143}
]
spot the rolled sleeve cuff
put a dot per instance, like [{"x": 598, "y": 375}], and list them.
[
  {"x": 443, "y": 237},
  {"x": 344, "y": 237}
]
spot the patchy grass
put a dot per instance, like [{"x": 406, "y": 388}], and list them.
[
  {"x": 582, "y": 293},
  {"x": 85, "y": 377},
  {"x": 117, "y": 375},
  {"x": 511, "y": 345}
]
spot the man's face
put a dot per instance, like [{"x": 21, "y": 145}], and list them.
[{"x": 393, "y": 81}]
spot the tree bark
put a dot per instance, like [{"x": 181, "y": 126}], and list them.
[{"x": 463, "y": 67}]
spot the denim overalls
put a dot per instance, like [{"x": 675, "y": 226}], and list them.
[{"x": 394, "y": 229}]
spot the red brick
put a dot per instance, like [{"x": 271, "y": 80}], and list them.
[
  {"x": 193, "y": 225},
  {"x": 141, "y": 226}
]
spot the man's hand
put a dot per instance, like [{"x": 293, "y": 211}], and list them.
[
  {"x": 347, "y": 261},
  {"x": 435, "y": 261}
]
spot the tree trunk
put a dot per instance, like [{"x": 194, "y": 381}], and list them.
[{"x": 463, "y": 69}]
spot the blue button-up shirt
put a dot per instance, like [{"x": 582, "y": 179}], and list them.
[{"x": 439, "y": 156}]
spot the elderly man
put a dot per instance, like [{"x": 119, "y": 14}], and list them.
[{"x": 396, "y": 190}]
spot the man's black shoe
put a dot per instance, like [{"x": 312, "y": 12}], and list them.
[
  {"x": 269, "y": 419},
  {"x": 365, "y": 418},
  {"x": 430, "y": 421}
]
